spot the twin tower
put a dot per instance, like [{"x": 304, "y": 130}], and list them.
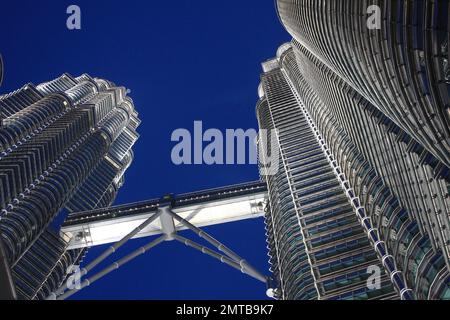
[
  {"x": 64, "y": 147},
  {"x": 361, "y": 120}
]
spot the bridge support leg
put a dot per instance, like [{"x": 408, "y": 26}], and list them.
[
  {"x": 107, "y": 253},
  {"x": 221, "y": 258},
  {"x": 112, "y": 267},
  {"x": 244, "y": 265}
]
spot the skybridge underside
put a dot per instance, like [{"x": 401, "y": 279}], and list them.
[{"x": 204, "y": 208}]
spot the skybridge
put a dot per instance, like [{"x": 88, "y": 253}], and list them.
[
  {"x": 163, "y": 218},
  {"x": 202, "y": 208}
]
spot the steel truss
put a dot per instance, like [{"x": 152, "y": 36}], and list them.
[{"x": 167, "y": 218}]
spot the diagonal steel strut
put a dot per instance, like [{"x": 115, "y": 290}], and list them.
[
  {"x": 245, "y": 267},
  {"x": 221, "y": 258},
  {"x": 107, "y": 253},
  {"x": 112, "y": 267}
]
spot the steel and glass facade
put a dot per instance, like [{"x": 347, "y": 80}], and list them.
[
  {"x": 64, "y": 147},
  {"x": 318, "y": 248},
  {"x": 362, "y": 127},
  {"x": 401, "y": 68}
]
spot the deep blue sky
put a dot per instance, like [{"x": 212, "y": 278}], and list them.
[{"x": 183, "y": 61}]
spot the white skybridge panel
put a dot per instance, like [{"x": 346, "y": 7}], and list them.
[{"x": 201, "y": 214}]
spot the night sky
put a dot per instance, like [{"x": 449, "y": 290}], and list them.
[{"x": 183, "y": 61}]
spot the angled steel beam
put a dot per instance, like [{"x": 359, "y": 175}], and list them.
[
  {"x": 220, "y": 246},
  {"x": 112, "y": 249},
  {"x": 221, "y": 258},
  {"x": 112, "y": 267},
  {"x": 119, "y": 244}
]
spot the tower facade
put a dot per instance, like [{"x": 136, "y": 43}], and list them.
[
  {"x": 362, "y": 133},
  {"x": 64, "y": 147}
]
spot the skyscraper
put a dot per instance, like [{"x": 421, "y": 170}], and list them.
[
  {"x": 362, "y": 119},
  {"x": 64, "y": 147}
]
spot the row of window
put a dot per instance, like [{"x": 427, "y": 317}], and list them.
[{"x": 338, "y": 107}]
